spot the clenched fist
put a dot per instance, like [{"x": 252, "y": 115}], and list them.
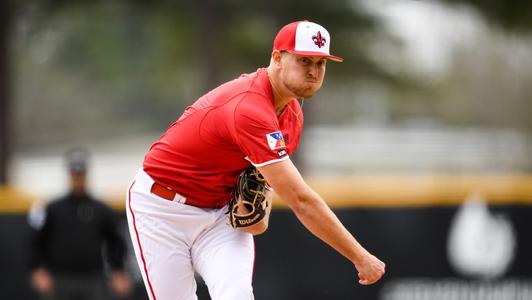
[{"x": 370, "y": 269}]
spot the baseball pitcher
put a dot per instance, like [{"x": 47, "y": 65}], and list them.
[{"x": 205, "y": 186}]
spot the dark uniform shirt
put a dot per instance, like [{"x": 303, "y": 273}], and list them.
[{"x": 76, "y": 232}]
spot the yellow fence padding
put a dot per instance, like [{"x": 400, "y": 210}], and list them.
[
  {"x": 370, "y": 191},
  {"x": 13, "y": 200}
]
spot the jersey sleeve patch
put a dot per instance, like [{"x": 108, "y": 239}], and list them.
[{"x": 275, "y": 140}]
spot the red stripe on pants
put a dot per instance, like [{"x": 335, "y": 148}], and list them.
[{"x": 138, "y": 242}]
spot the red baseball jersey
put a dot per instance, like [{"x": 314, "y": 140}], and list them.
[{"x": 202, "y": 153}]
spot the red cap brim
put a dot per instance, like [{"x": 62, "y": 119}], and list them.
[{"x": 311, "y": 53}]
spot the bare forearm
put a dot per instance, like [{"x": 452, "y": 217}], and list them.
[{"x": 319, "y": 219}]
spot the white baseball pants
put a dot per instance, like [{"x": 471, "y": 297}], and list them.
[{"x": 172, "y": 240}]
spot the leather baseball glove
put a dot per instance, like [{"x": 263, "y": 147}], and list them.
[{"x": 248, "y": 206}]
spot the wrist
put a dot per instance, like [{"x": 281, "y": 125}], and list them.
[{"x": 358, "y": 255}]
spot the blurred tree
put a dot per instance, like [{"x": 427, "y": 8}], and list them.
[
  {"x": 513, "y": 15},
  {"x": 495, "y": 93},
  {"x": 151, "y": 56},
  {"x": 5, "y": 25}
]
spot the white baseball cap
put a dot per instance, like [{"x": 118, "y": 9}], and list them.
[{"x": 305, "y": 38}]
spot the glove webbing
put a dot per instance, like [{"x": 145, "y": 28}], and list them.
[{"x": 254, "y": 206}]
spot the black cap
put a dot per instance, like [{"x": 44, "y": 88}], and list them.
[{"x": 77, "y": 160}]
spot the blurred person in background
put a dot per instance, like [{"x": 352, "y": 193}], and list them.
[{"x": 75, "y": 238}]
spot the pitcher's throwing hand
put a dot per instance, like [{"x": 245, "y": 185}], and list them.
[{"x": 370, "y": 269}]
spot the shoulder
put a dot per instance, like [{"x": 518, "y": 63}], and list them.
[
  {"x": 258, "y": 91},
  {"x": 98, "y": 203},
  {"x": 56, "y": 207},
  {"x": 101, "y": 208},
  {"x": 56, "y": 203},
  {"x": 242, "y": 93},
  {"x": 255, "y": 111},
  {"x": 245, "y": 83},
  {"x": 253, "y": 102}
]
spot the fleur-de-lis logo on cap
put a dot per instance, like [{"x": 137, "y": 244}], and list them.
[{"x": 319, "y": 40}]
